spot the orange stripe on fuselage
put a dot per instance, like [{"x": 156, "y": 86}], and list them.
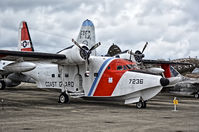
[{"x": 106, "y": 88}]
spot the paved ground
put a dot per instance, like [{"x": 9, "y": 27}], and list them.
[{"x": 27, "y": 108}]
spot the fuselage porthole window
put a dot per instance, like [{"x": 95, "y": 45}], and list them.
[
  {"x": 66, "y": 75},
  {"x": 53, "y": 75}
]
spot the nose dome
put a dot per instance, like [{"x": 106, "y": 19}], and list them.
[{"x": 164, "y": 81}]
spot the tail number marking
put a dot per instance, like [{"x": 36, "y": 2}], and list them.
[
  {"x": 135, "y": 81},
  {"x": 85, "y": 34}
]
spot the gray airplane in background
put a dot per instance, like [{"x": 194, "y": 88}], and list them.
[{"x": 186, "y": 85}]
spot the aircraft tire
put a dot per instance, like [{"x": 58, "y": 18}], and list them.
[
  {"x": 196, "y": 95},
  {"x": 2, "y": 85},
  {"x": 63, "y": 98},
  {"x": 139, "y": 104}
]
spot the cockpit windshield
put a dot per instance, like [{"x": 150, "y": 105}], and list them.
[{"x": 131, "y": 66}]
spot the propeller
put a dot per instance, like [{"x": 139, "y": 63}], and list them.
[
  {"x": 138, "y": 54},
  {"x": 85, "y": 52}
]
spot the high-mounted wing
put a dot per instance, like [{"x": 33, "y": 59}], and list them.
[{"x": 29, "y": 56}]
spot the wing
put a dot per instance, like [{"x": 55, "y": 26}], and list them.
[
  {"x": 29, "y": 56},
  {"x": 164, "y": 62}
]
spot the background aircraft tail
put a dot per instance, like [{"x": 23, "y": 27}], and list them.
[
  {"x": 172, "y": 74},
  {"x": 25, "y": 43},
  {"x": 170, "y": 71},
  {"x": 87, "y": 34}
]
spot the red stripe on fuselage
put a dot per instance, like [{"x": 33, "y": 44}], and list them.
[{"x": 105, "y": 87}]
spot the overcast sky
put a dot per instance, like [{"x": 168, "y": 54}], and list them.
[{"x": 170, "y": 26}]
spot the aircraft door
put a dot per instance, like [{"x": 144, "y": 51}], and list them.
[{"x": 78, "y": 83}]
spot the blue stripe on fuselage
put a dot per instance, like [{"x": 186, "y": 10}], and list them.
[{"x": 99, "y": 73}]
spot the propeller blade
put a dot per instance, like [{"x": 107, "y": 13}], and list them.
[
  {"x": 132, "y": 53},
  {"x": 77, "y": 44},
  {"x": 144, "y": 47},
  {"x": 95, "y": 46}
]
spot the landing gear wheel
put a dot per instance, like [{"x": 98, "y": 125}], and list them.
[
  {"x": 139, "y": 104},
  {"x": 196, "y": 95},
  {"x": 63, "y": 98},
  {"x": 2, "y": 85}
]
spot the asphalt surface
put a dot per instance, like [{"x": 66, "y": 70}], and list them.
[{"x": 26, "y": 108}]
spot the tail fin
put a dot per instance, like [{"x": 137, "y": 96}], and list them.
[
  {"x": 169, "y": 71},
  {"x": 87, "y": 34},
  {"x": 172, "y": 74},
  {"x": 25, "y": 43}
]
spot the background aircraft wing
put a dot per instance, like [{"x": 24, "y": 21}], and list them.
[
  {"x": 29, "y": 56},
  {"x": 145, "y": 61}
]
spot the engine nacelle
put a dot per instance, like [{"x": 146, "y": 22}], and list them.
[
  {"x": 19, "y": 67},
  {"x": 11, "y": 83},
  {"x": 74, "y": 55},
  {"x": 19, "y": 77},
  {"x": 15, "y": 79}
]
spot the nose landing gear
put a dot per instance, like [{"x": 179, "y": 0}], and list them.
[{"x": 141, "y": 104}]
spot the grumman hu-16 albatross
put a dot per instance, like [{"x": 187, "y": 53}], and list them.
[{"x": 80, "y": 74}]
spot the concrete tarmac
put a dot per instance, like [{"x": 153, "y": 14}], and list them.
[{"x": 26, "y": 108}]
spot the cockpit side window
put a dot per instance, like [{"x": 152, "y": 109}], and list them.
[
  {"x": 124, "y": 67},
  {"x": 119, "y": 68},
  {"x": 131, "y": 66}
]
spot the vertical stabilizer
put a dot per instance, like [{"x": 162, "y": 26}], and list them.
[
  {"x": 172, "y": 74},
  {"x": 169, "y": 71},
  {"x": 25, "y": 43},
  {"x": 87, "y": 34}
]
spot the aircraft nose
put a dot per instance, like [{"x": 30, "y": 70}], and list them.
[{"x": 164, "y": 82}]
